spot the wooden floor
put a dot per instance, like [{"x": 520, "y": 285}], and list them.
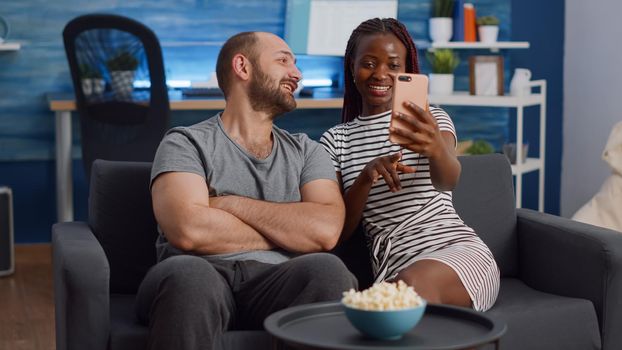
[{"x": 26, "y": 301}]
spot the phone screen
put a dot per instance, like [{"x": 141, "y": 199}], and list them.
[{"x": 408, "y": 87}]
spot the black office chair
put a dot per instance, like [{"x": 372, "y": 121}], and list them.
[{"x": 121, "y": 94}]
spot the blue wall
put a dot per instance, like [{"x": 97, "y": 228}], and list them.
[
  {"x": 191, "y": 33},
  {"x": 544, "y": 29}
]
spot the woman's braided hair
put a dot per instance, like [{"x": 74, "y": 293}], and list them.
[{"x": 352, "y": 102}]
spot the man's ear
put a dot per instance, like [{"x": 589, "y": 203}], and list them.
[{"x": 241, "y": 66}]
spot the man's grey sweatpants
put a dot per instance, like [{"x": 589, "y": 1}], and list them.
[{"x": 189, "y": 302}]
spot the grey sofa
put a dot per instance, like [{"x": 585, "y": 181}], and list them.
[{"x": 561, "y": 284}]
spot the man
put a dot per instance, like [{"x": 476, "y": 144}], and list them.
[{"x": 243, "y": 208}]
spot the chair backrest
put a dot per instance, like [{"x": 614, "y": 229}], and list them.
[
  {"x": 121, "y": 217},
  {"x": 484, "y": 198},
  {"x": 116, "y": 121}
]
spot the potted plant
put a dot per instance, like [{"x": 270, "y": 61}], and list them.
[
  {"x": 91, "y": 80},
  {"x": 443, "y": 62},
  {"x": 441, "y": 22},
  {"x": 122, "y": 67},
  {"x": 488, "y": 29},
  {"x": 480, "y": 147}
]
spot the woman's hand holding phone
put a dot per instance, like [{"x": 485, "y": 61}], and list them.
[
  {"x": 412, "y": 125},
  {"x": 407, "y": 87},
  {"x": 419, "y": 131}
]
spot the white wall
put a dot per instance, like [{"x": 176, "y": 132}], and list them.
[{"x": 592, "y": 96}]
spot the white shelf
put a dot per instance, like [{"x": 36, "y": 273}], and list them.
[
  {"x": 480, "y": 45},
  {"x": 10, "y": 46},
  {"x": 462, "y": 98},
  {"x": 530, "y": 164}
]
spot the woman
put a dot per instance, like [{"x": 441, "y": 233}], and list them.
[{"x": 402, "y": 191}]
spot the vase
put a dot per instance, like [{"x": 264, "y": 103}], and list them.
[
  {"x": 509, "y": 149},
  {"x": 441, "y": 84},
  {"x": 519, "y": 85},
  {"x": 441, "y": 29}
]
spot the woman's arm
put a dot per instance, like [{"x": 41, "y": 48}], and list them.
[{"x": 355, "y": 198}]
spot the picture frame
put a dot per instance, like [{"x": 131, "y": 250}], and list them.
[{"x": 486, "y": 75}]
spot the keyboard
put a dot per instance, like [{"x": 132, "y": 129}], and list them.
[{"x": 198, "y": 92}]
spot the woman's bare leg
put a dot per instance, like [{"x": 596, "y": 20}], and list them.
[{"x": 435, "y": 282}]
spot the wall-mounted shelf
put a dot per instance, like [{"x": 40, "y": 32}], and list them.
[
  {"x": 463, "y": 98},
  {"x": 494, "y": 47},
  {"x": 10, "y": 46}
]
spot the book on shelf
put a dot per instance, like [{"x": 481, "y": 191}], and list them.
[
  {"x": 470, "y": 28},
  {"x": 458, "y": 20}
]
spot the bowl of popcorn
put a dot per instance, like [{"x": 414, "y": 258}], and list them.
[{"x": 385, "y": 310}]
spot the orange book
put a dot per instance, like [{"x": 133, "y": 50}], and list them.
[{"x": 470, "y": 28}]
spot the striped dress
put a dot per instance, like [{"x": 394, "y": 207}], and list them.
[{"x": 418, "y": 222}]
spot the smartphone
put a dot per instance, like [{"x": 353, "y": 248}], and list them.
[{"x": 407, "y": 87}]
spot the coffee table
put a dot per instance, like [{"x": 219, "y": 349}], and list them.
[{"x": 325, "y": 326}]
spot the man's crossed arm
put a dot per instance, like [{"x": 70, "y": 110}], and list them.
[{"x": 192, "y": 221}]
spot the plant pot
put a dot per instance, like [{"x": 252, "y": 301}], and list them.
[
  {"x": 122, "y": 83},
  {"x": 488, "y": 34},
  {"x": 92, "y": 86},
  {"x": 441, "y": 84},
  {"x": 87, "y": 87},
  {"x": 441, "y": 29},
  {"x": 509, "y": 149},
  {"x": 98, "y": 85}
]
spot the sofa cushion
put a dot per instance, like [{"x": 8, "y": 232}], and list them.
[
  {"x": 125, "y": 331},
  {"x": 484, "y": 198},
  {"x": 538, "y": 320},
  {"x": 122, "y": 219}
]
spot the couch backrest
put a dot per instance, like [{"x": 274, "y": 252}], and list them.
[
  {"x": 121, "y": 217},
  {"x": 484, "y": 198}
]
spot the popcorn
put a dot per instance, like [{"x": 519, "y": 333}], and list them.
[{"x": 383, "y": 296}]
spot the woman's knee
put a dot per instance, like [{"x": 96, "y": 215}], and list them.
[{"x": 435, "y": 282}]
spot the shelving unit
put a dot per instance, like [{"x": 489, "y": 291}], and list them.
[
  {"x": 10, "y": 46},
  {"x": 536, "y": 98}
]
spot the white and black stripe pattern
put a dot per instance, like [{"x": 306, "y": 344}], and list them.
[{"x": 417, "y": 222}]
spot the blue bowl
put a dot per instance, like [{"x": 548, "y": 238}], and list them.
[{"x": 386, "y": 325}]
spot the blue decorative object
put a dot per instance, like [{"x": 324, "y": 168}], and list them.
[
  {"x": 4, "y": 30},
  {"x": 387, "y": 325}
]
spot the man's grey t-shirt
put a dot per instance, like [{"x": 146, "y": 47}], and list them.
[{"x": 205, "y": 149}]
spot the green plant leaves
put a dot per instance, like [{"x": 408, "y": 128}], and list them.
[{"x": 443, "y": 61}]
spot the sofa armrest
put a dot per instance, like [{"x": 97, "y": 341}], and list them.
[
  {"x": 569, "y": 258},
  {"x": 81, "y": 288}
]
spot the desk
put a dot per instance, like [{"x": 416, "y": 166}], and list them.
[{"x": 62, "y": 104}]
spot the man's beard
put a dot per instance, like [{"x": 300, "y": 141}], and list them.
[{"x": 266, "y": 97}]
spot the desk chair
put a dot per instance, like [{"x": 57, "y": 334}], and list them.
[{"x": 107, "y": 55}]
